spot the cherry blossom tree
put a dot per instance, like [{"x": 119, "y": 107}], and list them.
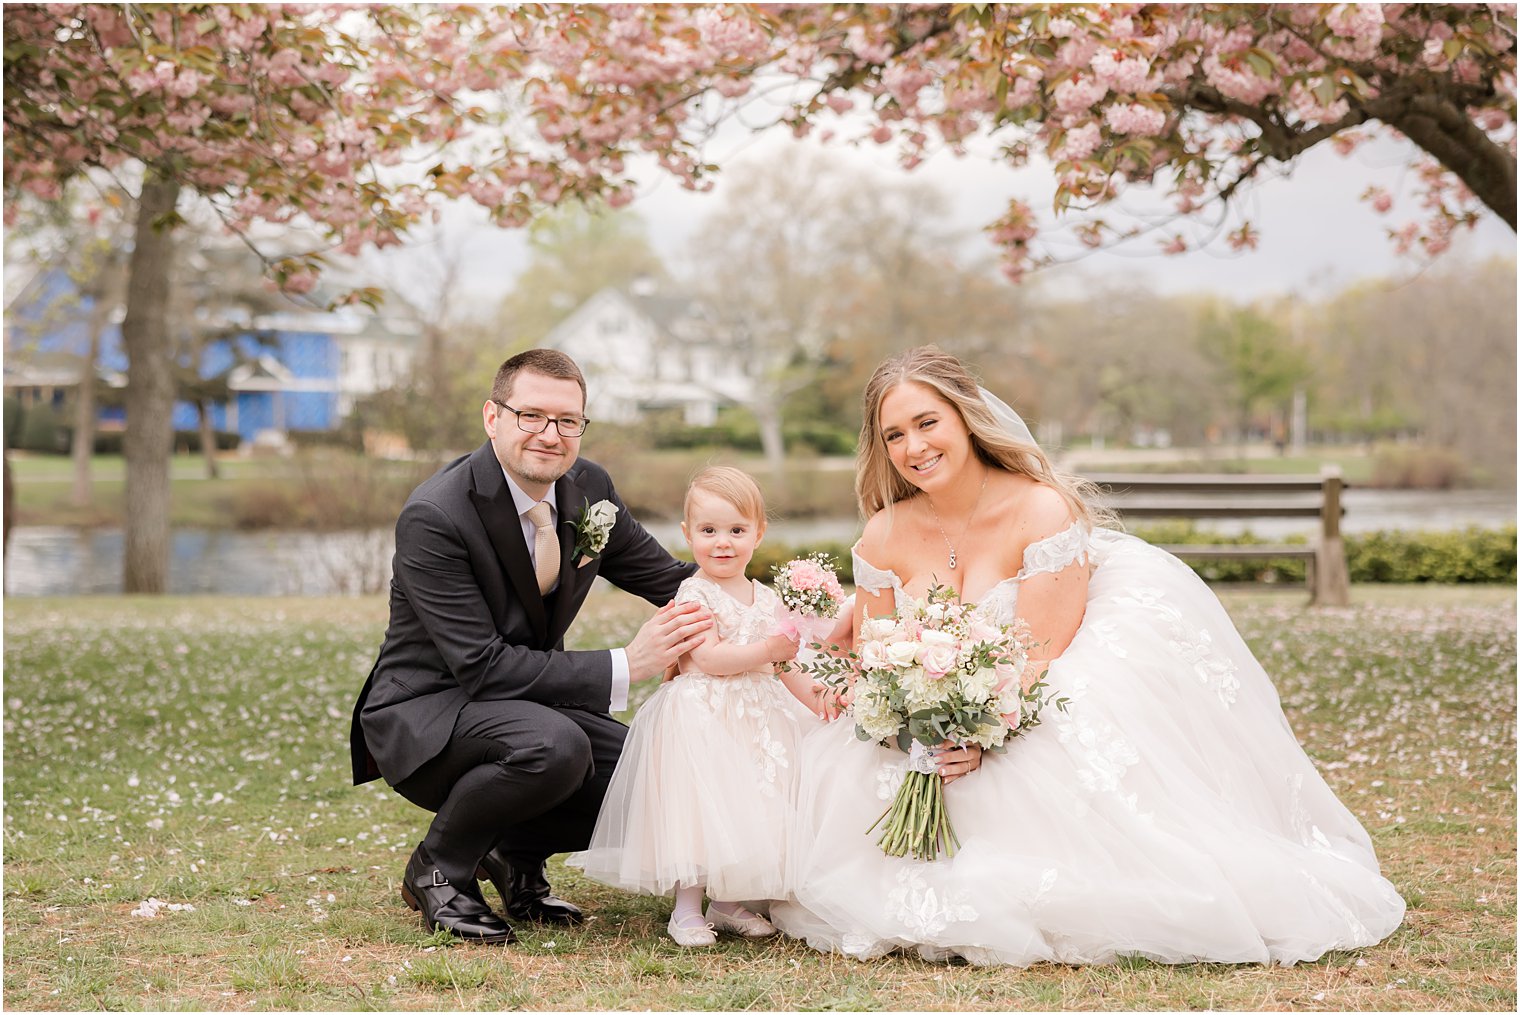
[
  {"x": 284, "y": 115},
  {"x": 1192, "y": 100}
]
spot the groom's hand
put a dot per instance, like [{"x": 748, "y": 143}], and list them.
[{"x": 674, "y": 630}]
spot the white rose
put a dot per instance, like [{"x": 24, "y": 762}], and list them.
[
  {"x": 944, "y": 638},
  {"x": 602, "y": 514},
  {"x": 873, "y": 655},
  {"x": 979, "y": 685},
  {"x": 877, "y": 628},
  {"x": 902, "y": 653},
  {"x": 1009, "y": 705}
]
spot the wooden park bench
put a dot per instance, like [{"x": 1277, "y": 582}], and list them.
[{"x": 1145, "y": 495}]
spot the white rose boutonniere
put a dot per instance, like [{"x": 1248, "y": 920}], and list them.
[{"x": 593, "y": 529}]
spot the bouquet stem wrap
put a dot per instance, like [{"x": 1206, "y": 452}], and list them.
[{"x": 918, "y": 822}]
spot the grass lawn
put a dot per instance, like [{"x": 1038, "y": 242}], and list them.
[{"x": 195, "y": 751}]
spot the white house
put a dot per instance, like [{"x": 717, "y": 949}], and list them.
[{"x": 641, "y": 352}]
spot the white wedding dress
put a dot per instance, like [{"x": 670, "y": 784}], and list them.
[{"x": 1168, "y": 813}]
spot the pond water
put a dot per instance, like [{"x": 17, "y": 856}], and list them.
[{"x": 58, "y": 561}]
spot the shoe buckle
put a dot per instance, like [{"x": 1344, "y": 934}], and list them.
[{"x": 438, "y": 879}]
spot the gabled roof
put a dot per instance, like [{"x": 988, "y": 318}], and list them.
[{"x": 262, "y": 374}]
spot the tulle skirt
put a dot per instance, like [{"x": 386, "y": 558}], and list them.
[
  {"x": 704, "y": 791},
  {"x": 1169, "y": 813}
]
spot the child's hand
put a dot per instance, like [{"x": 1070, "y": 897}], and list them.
[
  {"x": 831, "y": 703},
  {"x": 780, "y": 648}
]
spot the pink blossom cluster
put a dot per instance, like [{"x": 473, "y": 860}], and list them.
[{"x": 290, "y": 113}]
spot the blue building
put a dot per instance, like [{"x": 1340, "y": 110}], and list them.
[{"x": 291, "y": 371}]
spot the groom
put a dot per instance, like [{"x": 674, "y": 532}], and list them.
[{"x": 474, "y": 710}]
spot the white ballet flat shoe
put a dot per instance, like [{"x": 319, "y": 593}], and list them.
[
  {"x": 750, "y": 925},
  {"x": 691, "y": 937}
]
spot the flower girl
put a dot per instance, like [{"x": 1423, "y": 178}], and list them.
[{"x": 700, "y": 798}]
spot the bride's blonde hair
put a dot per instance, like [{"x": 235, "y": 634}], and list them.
[{"x": 878, "y": 484}]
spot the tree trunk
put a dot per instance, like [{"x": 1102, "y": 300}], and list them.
[
  {"x": 149, "y": 439},
  {"x": 8, "y": 508},
  {"x": 84, "y": 411},
  {"x": 208, "y": 436},
  {"x": 768, "y": 416}
]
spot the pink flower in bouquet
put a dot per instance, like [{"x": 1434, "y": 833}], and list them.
[
  {"x": 937, "y": 653},
  {"x": 981, "y": 632}
]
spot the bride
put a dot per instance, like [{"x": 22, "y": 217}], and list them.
[{"x": 1167, "y": 813}]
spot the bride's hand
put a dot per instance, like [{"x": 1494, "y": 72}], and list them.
[{"x": 955, "y": 762}]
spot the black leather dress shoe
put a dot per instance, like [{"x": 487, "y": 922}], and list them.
[
  {"x": 526, "y": 894},
  {"x": 460, "y": 910}
]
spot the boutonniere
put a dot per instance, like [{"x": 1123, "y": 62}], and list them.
[{"x": 592, "y": 530}]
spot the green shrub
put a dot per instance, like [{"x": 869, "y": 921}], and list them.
[
  {"x": 348, "y": 438},
  {"x": 13, "y": 415},
  {"x": 1465, "y": 556},
  {"x": 42, "y": 429},
  {"x": 189, "y": 441}
]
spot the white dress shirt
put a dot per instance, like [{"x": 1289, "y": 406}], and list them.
[{"x": 523, "y": 504}]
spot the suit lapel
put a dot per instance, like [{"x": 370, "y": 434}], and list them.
[
  {"x": 493, "y": 502},
  {"x": 571, "y": 501}
]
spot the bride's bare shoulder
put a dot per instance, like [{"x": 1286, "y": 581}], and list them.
[
  {"x": 1039, "y": 510},
  {"x": 877, "y": 540}
]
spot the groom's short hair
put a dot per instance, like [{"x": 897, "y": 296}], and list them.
[{"x": 549, "y": 362}]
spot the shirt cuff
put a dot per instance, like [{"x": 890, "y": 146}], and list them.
[{"x": 619, "y": 680}]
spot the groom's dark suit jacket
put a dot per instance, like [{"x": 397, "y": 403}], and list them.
[{"x": 467, "y": 621}]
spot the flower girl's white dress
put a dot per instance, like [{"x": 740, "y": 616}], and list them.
[
  {"x": 1169, "y": 813},
  {"x": 707, "y": 782}
]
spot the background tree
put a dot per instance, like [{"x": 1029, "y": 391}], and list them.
[
  {"x": 218, "y": 295},
  {"x": 1119, "y": 360},
  {"x": 1254, "y": 363},
  {"x": 904, "y": 285},
  {"x": 769, "y": 259},
  {"x": 79, "y": 247},
  {"x": 454, "y": 364},
  {"x": 574, "y": 252}
]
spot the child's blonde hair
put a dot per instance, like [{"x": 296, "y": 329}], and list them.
[{"x": 731, "y": 484}]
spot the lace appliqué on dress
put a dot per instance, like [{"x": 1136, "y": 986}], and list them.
[
  {"x": 1215, "y": 670},
  {"x": 924, "y": 910},
  {"x": 870, "y": 577},
  {"x": 1058, "y": 552},
  {"x": 742, "y": 696}
]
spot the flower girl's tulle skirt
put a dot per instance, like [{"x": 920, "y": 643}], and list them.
[
  {"x": 704, "y": 791},
  {"x": 1169, "y": 813}
]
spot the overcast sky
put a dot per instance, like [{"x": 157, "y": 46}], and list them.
[{"x": 1316, "y": 235}]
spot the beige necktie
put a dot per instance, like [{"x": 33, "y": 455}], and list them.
[{"x": 545, "y": 547}]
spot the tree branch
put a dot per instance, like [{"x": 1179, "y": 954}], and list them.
[{"x": 1451, "y": 138}]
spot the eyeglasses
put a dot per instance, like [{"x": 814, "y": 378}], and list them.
[{"x": 536, "y": 422}]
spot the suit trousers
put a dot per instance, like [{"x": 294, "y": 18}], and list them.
[{"x": 516, "y": 775}]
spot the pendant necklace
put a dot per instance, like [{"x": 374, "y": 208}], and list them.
[{"x": 978, "y": 503}]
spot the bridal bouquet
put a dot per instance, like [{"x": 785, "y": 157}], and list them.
[
  {"x": 810, "y": 596},
  {"x": 935, "y": 672}
]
